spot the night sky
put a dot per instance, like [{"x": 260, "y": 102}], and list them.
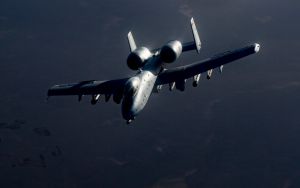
[{"x": 239, "y": 129}]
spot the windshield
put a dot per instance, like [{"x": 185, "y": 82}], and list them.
[{"x": 132, "y": 86}]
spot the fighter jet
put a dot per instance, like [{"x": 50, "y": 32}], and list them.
[{"x": 151, "y": 74}]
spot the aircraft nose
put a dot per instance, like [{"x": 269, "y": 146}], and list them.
[
  {"x": 128, "y": 109},
  {"x": 128, "y": 116}
]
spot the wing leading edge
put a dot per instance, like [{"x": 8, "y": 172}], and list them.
[{"x": 184, "y": 72}]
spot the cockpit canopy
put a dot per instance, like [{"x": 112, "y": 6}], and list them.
[{"x": 132, "y": 86}]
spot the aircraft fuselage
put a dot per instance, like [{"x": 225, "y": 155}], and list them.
[{"x": 141, "y": 86}]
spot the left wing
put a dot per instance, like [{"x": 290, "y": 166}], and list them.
[
  {"x": 92, "y": 87},
  {"x": 179, "y": 74}
]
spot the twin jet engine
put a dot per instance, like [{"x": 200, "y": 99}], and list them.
[{"x": 168, "y": 54}]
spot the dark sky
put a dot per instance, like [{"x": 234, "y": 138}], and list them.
[{"x": 240, "y": 129}]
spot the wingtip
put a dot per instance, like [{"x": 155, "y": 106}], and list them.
[{"x": 256, "y": 47}]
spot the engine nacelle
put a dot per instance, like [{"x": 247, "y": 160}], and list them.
[
  {"x": 138, "y": 58},
  {"x": 171, "y": 51}
]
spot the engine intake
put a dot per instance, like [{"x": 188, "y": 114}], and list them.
[
  {"x": 171, "y": 51},
  {"x": 138, "y": 58}
]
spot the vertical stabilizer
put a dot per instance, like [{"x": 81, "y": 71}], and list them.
[
  {"x": 131, "y": 41},
  {"x": 196, "y": 36}
]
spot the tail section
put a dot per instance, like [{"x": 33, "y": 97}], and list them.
[
  {"x": 193, "y": 45},
  {"x": 196, "y": 44},
  {"x": 196, "y": 36}
]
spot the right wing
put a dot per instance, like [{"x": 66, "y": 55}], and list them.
[
  {"x": 181, "y": 73},
  {"x": 92, "y": 87}
]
